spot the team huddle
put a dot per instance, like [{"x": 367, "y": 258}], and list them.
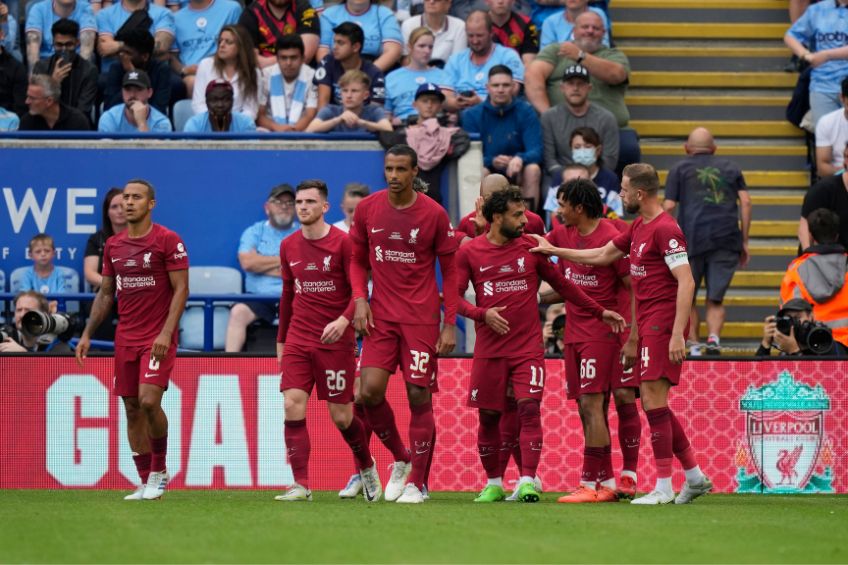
[{"x": 605, "y": 272}]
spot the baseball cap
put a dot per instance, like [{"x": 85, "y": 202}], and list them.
[
  {"x": 576, "y": 71},
  {"x": 136, "y": 77},
  {"x": 429, "y": 88},
  {"x": 219, "y": 83},
  {"x": 281, "y": 189},
  {"x": 795, "y": 305}
]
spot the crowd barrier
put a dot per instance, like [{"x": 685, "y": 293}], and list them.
[{"x": 759, "y": 426}]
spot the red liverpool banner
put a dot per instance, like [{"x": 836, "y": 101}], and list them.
[{"x": 758, "y": 426}]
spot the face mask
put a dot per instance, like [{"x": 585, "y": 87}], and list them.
[{"x": 584, "y": 156}]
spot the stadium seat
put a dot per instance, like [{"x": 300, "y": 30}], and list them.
[
  {"x": 208, "y": 280},
  {"x": 182, "y": 112}
]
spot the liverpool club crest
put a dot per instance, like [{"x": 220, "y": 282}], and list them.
[{"x": 786, "y": 440}]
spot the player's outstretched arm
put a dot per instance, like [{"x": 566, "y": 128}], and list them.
[
  {"x": 631, "y": 346},
  {"x": 683, "y": 307},
  {"x": 450, "y": 294},
  {"x": 600, "y": 256},
  {"x": 179, "y": 282},
  {"x": 573, "y": 293},
  {"x": 100, "y": 309}
]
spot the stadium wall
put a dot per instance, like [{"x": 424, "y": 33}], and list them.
[{"x": 759, "y": 426}]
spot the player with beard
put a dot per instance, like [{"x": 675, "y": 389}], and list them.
[
  {"x": 591, "y": 354},
  {"x": 661, "y": 276},
  {"x": 146, "y": 268},
  {"x": 315, "y": 341},
  {"x": 509, "y": 349},
  {"x": 398, "y": 234}
]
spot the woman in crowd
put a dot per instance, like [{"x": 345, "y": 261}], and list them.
[
  {"x": 235, "y": 61},
  {"x": 401, "y": 84}
]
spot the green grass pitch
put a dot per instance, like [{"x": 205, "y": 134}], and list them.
[{"x": 249, "y": 526}]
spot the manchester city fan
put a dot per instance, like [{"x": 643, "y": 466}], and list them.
[
  {"x": 348, "y": 39},
  {"x": 513, "y": 29},
  {"x": 259, "y": 257},
  {"x": 135, "y": 115},
  {"x": 13, "y": 79},
  {"x": 383, "y": 42},
  {"x": 145, "y": 269},
  {"x": 219, "y": 118},
  {"x": 448, "y": 31},
  {"x": 267, "y": 21},
  {"x": 289, "y": 95},
  {"x": 558, "y": 27},
  {"x": 127, "y": 15},
  {"x": 353, "y": 114},
  {"x": 197, "y": 27},
  {"x": 41, "y": 18},
  {"x": 136, "y": 54}
]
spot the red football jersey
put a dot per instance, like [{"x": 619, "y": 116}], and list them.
[
  {"x": 655, "y": 249},
  {"x": 401, "y": 247},
  {"x": 535, "y": 224},
  {"x": 316, "y": 288},
  {"x": 603, "y": 284},
  {"x": 140, "y": 267},
  {"x": 508, "y": 275}
]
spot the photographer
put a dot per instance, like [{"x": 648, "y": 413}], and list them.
[
  {"x": 794, "y": 331},
  {"x": 17, "y": 340}
]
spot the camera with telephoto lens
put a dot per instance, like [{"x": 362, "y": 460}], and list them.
[
  {"x": 8, "y": 332},
  {"x": 814, "y": 337},
  {"x": 60, "y": 324}
]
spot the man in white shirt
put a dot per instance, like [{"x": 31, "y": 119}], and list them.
[{"x": 832, "y": 136}]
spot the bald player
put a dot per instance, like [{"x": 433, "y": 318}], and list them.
[
  {"x": 712, "y": 199},
  {"x": 475, "y": 223}
]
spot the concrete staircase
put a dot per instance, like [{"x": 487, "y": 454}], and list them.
[{"x": 719, "y": 64}]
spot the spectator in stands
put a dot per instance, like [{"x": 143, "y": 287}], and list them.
[
  {"x": 267, "y": 21},
  {"x": 289, "y": 95},
  {"x": 113, "y": 221},
  {"x": 818, "y": 37},
  {"x": 354, "y": 192},
  {"x": 510, "y": 133},
  {"x": 831, "y": 137},
  {"x": 708, "y": 187},
  {"x": 820, "y": 274},
  {"x": 513, "y": 29},
  {"x": 559, "y": 26},
  {"x": 383, "y": 42},
  {"x": 136, "y": 53},
  {"x": 43, "y": 276},
  {"x": 76, "y": 76},
  {"x": 47, "y": 112},
  {"x": 609, "y": 71},
  {"x": 448, "y": 31},
  {"x": 469, "y": 69},
  {"x": 830, "y": 193},
  {"x": 354, "y": 115},
  {"x": 9, "y": 37},
  {"x": 403, "y": 84},
  {"x": 800, "y": 311},
  {"x": 135, "y": 115},
  {"x": 39, "y": 25},
  {"x": 587, "y": 150},
  {"x": 474, "y": 223},
  {"x": 348, "y": 39},
  {"x": 220, "y": 117},
  {"x": 461, "y": 9},
  {"x": 13, "y": 80},
  {"x": 235, "y": 61},
  {"x": 9, "y": 121},
  {"x": 119, "y": 19},
  {"x": 197, "y": 27},
  {"x": 576, "y": 111},
  {"x": 259, "y": 256},
  {"x": 21, "y": 341}
]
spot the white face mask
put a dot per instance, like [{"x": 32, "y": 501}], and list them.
[{"x": 584, "y": 156}]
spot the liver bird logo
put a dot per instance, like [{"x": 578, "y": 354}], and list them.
[{"x": 786, "y": 462}]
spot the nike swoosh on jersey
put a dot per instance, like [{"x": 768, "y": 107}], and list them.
[
  {"x": 375, "y": 230},
  {"x": 484, "y": 269},
  {"x": 293, "y": 263},
  {"x": 115, "y": 259}
]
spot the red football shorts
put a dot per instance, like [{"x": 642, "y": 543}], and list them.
[
  {"x": 134, "y": 365},
  {"x": 491, "y": 378},
  {"x": 413, "y": 347},
  {"x": 590, "y": 367},
  {"x": 625, "y": 378},
  {"x": 654, "y": 363},
  {"x": 330, "y": 371}
]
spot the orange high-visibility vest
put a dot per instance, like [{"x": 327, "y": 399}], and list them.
[{"x": 816, "y": 278}]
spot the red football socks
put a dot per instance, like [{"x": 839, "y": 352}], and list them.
[
  {"x": 142, "y": 465},
  {"x": 661, "y": 438},
  {"x": 297, "y": 450},
  {"x": 489, "y": 444},
  {"x": 421, "y": 426},
  {"x": 629, "y": 435},
  {"x": 510, "y": 429},
  {"x": 354, "y": 435},
  {"x": 382, "y": 421},
  {"x": 680, "y": 444},
  {"x": 158, "y": 453},
  {"x": 530, "y": 438},
  {"x": 592, "y": 461}
]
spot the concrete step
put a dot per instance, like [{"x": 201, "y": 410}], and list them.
[
  {"x": 771, "y": 155},
  {"x": 694, "y": 7},
  {"x": 703, "y": 13},
  {"x": 710, "y": 108},
  {"x": 794, "y": 179},
  {"x": 660, "y": 79},
  {"x": 698, "y": 30},
  {"x": 774, "y": 228},
  {"x": 757, "y": 279},
  {"x": 683, "y": 50},
  {"x": 738, "y": 330},
  {"x": 681, "y": 128}
]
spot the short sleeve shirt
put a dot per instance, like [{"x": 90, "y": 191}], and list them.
[
  {"x": 60, "y": 281},
  {"x": 41, "y": 18},
  {"x": 370, "y": 112},
  {"x": 557, "y": 29},
  {"x": 263, "y": 238},
  {"x": 140, "y": 267},
  {"x": 832, "y": 131},
  {"x": 114, "y": 120},
  {"x": 197, "y": 30},
  {"x": 824, "y": 25},
  {"x": 655, "y": 249},
  {"x": 379, "y": 25},
  {"x": 199, "y": 123},
  {"x": 265, "y": 29},
  {"x": 518, "y": 33},
  {"x": 707, "y": 188},
  {"x": 330, "y": 72},
  {"x": 465, "y": 75},
  {"x": 110, "y": 20},
  {"x": 403, "y": 83}
]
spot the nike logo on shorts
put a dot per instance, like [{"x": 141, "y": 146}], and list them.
[
  {"x": 417, "y": 376},
  {"x": 627, "y": 379},
  {"x": 333, "y": 394},
  {"x": 150, "y": 375},
  {"x": 584, "y": 385}
]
